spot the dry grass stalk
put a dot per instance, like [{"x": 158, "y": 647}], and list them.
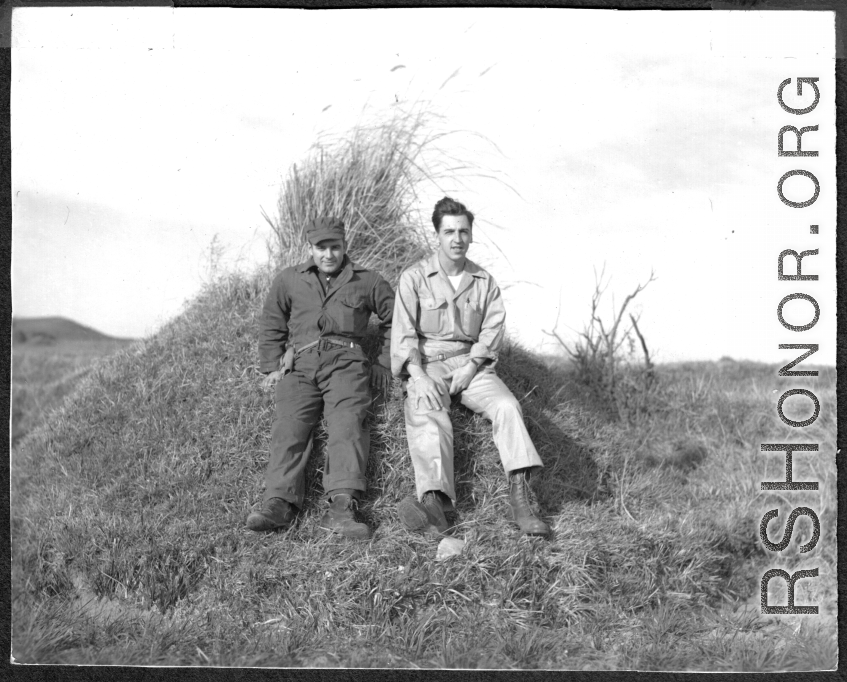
[{"x": 368, "y": 178}]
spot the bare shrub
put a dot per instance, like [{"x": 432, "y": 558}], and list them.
[{"x": 612, "y": 359}]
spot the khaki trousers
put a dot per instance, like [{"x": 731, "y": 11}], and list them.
[{"x": 430, "y": 434}]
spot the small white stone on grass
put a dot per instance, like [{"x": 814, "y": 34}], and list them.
[{"x": 449, "y": 547}]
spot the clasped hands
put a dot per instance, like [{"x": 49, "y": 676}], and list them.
[{"x": 431, "y": 390}]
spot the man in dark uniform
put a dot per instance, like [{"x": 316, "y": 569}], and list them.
[{"x": 314, "y": 318}]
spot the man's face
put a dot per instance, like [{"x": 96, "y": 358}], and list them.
[
  {"x": 454, "y": 236},
  {"x": 328, "y": 254}
]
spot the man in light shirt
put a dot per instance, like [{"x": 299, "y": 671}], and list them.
[{"x": 447, "y": 329}]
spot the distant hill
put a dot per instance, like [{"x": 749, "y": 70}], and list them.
[{"x": 45, "y": 330}]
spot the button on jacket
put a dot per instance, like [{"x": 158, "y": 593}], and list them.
[
  {"x": 431, "y": 317},
  {"x": 297, "y": 311}
]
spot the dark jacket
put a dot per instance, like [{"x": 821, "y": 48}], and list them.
[{"x": 298, "y": 312}]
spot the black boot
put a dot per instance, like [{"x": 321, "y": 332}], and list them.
[
  {"x": 340, "y": 518},
  {"x": 274, "y": 513},
  {"x": 522, "y": 513},
  {"x": 426, "y": 515}
]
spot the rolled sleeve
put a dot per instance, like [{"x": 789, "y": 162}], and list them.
[
  {"x": 493, "y": 329},
  {"x": 274, "y": 326},
  {"x": 404, "y": 336}
]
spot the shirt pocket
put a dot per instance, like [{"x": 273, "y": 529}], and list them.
[
  {"x": 472, "y": 315},
  {"x": 433, "y": 318},
  {"x": 353, "y": 315}
]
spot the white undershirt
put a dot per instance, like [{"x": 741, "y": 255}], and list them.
[{"x": 454, "y": 280}]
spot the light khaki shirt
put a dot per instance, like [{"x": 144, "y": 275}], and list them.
[{"x": 430, "y": 317}]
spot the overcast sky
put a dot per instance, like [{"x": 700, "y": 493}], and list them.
[{"x": 639, "y": 140}]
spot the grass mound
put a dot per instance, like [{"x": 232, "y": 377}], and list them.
[
  {"x": 129, "y": 547},
  {"x": 129, "y": 503}
]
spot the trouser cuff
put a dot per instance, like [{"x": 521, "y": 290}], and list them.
[
  {"x": 291, "y": 498},
  {"x": 356, "y": 494},
  {"x": 357, "y": 485},
  {"x": 448, "y": 500},
  {"x": 530, "y": 468}
]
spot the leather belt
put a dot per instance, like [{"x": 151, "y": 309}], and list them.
[
  {"x": 444, "y": 356},
  {"x": 326, "y": 342}
]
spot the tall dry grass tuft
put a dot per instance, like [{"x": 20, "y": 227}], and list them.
[{"x": 369, "y": 178}]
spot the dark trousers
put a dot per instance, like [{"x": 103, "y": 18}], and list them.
[{"x": 336, "y": 383}]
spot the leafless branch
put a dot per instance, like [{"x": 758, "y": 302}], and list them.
[{"x": 603, "y": 351}]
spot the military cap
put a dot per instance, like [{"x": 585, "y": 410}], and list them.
[{"x": 324, "y": 228}]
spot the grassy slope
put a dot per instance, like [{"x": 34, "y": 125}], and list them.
[
  {"x": 129, "y": 547},
  {"x": 43, "y": 374}
]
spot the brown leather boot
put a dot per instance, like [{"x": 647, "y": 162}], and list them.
[
  {"x": 340, "y": 518},
  {"x": 274, "y": 513},
  {"x": 426, "y": 516},
  {"x": 522, "y": 512}
]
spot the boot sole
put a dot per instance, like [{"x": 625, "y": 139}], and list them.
[
  {"x": 262, "y": 524},
  {"x": 413, "y": 514},
  {"x": 437, "y": 516},
  {"x": 535, "y": 533},
  {"x": 527, "y": 531}
]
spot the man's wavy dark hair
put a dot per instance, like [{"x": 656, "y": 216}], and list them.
[{"x": 448, "y": 206}]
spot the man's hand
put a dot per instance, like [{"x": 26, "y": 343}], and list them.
[
  {"x": 287, "y": 364},
  {"x": 461, "y": 377},
  {"x": 270, "y": 379},
  {"x": 429, "y": 391},
  {"x": 380, "y": 379}
]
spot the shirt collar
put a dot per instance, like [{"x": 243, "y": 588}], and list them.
[{"x": 433, "y": 265}]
